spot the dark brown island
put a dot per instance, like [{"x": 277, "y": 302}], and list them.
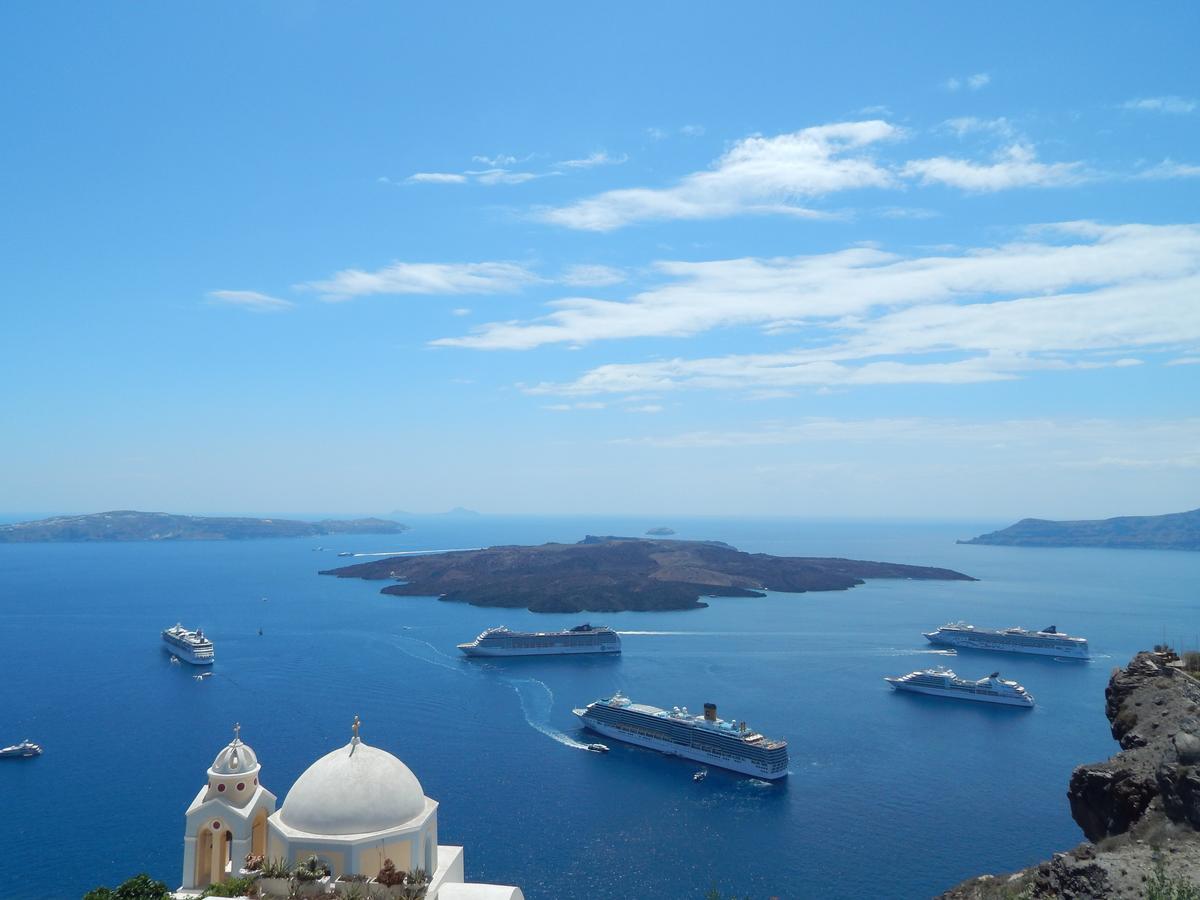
[{"x": 609, "y": 574}]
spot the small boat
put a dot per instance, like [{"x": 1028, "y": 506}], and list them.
[
  {"x": 345, "y": 553},
  {"x": 202, "y": 676},
  {"x": 175, "y": 660},
  {"x": 598, "y": 748},
  {"x": 700, "y": 776},
  {"x": 24, "y": 749}
]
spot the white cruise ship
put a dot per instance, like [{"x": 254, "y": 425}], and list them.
[
  {"x": 580, "y": 639},
  {"x": 942, "y": 682},
  {"x": 706, "y": 739},
  {"x": 1047, "y": 642},
  {"x": 190, "y": 646}
]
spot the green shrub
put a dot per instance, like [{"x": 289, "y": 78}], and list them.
[
  {"x": 1163, "y": 887},
  {"x": 139, "y": 887},
  {"x": 234, "y": 887}
]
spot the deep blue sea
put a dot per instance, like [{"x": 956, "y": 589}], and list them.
[{"x": 889, "y": 795}]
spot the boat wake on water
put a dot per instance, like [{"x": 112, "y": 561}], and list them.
[
  {"x": 535, "y": 696},
  {"x": 536, "y": 702}
]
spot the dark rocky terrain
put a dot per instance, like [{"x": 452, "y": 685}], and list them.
[
  {"x": 1140, "y": 809},
  {"x": 604, "y": 574},
  {"x": 1174, "y": 531},
  {"x": 129, "y": 525}
]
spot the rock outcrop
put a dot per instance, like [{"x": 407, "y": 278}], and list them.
[{"x": 1140, "y": 808}]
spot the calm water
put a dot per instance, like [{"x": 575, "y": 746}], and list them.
[{"x": 889, "y": 795}]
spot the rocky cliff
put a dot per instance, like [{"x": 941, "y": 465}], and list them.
[{"x": 1140, "y": 809}]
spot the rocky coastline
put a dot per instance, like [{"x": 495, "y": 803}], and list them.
[{"x": 1139, "y": 810}]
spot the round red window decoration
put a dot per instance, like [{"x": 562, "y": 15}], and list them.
[
  {"x": 220, "y": 787},
  {"x": 241, "y": 785},
  {"x": 216, "y": 826}
]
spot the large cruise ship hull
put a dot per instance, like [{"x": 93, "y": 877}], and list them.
[
  {"x": 472, "y": 650},
  {"x": 185, "y": 654},
  {"x": 961, "y": 695},
  {"x": 978, "y": 641},
  {"x": 672, "y": 749}
]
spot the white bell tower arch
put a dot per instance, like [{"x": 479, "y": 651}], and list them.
[{"x": 228, "y": 819}]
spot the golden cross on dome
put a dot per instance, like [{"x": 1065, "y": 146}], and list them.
[{"x": 354, "y": 727}]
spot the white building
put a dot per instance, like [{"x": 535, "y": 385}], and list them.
[{"x": 353, "y": 808}]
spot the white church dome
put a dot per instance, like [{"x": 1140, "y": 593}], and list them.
[
  {"x": 235, "y": 759},
  {"x": 356, "y": 789}
]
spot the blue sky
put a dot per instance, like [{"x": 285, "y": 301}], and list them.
[{"x": 872, "y": 260}]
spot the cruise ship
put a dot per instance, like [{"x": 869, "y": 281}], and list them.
[
  {"x": 706, "y": 739},
  {"x": 580, "y": 639},
  {"x": 1048, "y": 642},
  {"x": 942, "y": 682},
  {"x": 190, "y": 646}
]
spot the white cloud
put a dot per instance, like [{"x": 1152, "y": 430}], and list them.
[
  {"x": 425, "y": 278},
  {"x": 970, "y": 82},
  {"x": 757, "y": 175},
  {"x": 1067, "y": 297},
  {"x": 498, "y": 161},
  {"x": 460, "y": 311},
  {"x": 1184, "y": 361},
  {"x": 250, "y": 300},
  {"x": 591, "y": 276},
  {"x": 1168, "y": 169},
  {"x": 1016, "y": 166},
  {"x": 568, "y": 407},
  {"x": 490, "y": 176},
  {"x": 501, "y": 176},
  {"x": 846, "y": 291},
  {"x": 1170, "y": 104},
  {"x": 964, "y": 125},
  {"x": 435, "y": 178},
  {"x": 598, "y": 158},
  {"x": 692, "y": 130}
]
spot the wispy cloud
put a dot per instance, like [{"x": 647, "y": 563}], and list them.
[
  {"x": 758, "y": 174},
  {"x": 1016, "y": 166},
  {"x": 431, "y": 178},
  {"x": 692, "y": 130},
  {"x": 598, "y": 158},
  {"x": 965, "y": 125},
  {"x": 1084, "y": 296},
  {"x": 847, "y": 290},
  {"x": 425, "y": 278},
  {"x": 249, "y": 300},
  {"x": 1169, "y": 169},
  {"x": 1169, "y": 104},
  {"x": 591, "y": 276},
  {"x": 967, "y": 82}
]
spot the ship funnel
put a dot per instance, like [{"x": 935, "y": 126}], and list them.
[{"x": 710, "y": 712}]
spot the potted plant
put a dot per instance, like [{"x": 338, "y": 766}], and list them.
[
  {"x": 274, "y": 878},
  {"x": 403, "y": 885},
  {"x": 252, "y": 865},
  {"x": 312, "y": 877},
  {"x": 351, "y": 886}
]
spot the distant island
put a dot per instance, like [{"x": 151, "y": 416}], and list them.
[
  {"x": 609, "y": 574},
  {"x": 130, "y": 525},
  {"x": 660, "y": 531},
  {"x": 1175, "y": 531}
]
